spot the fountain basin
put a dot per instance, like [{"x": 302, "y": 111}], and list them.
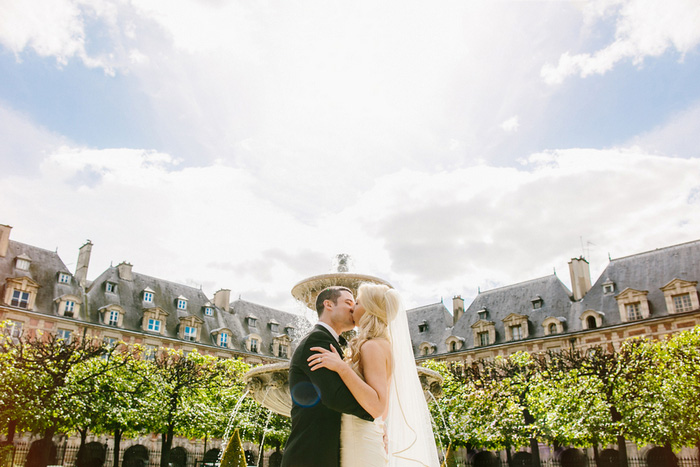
[
  {"x": 307, "y": 290},
  {"x": 269, "y": 386}
]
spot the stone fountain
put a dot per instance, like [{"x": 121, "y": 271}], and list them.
[{"x": 269, "y": 385}]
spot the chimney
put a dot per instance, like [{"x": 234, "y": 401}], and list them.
[
  {"x": 580, "y": 277},
  {"x": 124, "y": 269},
  {"x": 4, "y": 239},
  {"x": 222, "y": 299},
  {"x": 457, "y": 308},
  {"x": 81, "y": 269}
]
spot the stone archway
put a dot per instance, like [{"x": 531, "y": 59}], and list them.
[
  {"x": 178, "y": 457},
  {"x": 609, "y": 458},
  {"x": 485, "y": 459},
  {"x": 521, "y": 459},
  {"x": 275, "y": 459},
  {"x": 37, "y": 451},
  {"x": 136, "y": 456},
  {"x": 211, "y": 457},
  {"x": 93, "y": 455},
  {"x": 573, "y": 458},
  {"x": 250, "y": 457},
  {"x": 661, "y": 457}
]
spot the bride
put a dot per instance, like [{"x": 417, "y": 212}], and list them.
[{"x": 381, "y": 374}]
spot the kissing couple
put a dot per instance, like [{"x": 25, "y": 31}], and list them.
[{"x": 367, "y": 410}]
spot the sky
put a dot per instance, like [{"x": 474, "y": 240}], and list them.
[{"x": 448, "y": 147}]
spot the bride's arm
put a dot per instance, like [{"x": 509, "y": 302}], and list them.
[{"x": 372, "y": 395}]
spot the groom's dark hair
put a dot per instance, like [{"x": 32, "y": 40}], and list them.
[{"x": 329, "y": 293}]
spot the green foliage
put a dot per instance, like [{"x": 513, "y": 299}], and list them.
[{"x": 234, "y": 456}]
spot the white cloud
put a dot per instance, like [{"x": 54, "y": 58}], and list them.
[
  {"x": 677, "y": 136},
  {"x": 511, "y": 125},
  {"x": 644, "y": 28}
]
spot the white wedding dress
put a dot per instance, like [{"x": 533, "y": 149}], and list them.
[{"x": 408, "y": 425}]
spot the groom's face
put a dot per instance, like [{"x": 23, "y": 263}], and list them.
[{"x": 341, "y": 311}]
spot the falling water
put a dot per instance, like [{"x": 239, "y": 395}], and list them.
[
  {"x": 444, "y": 423},
  {"x": 231, "y": 421}
]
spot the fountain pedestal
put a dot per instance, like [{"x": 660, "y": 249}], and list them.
[{"x": 269, "y": 386}]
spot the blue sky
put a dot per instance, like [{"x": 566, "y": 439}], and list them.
[{"x": 445, "y": 147}]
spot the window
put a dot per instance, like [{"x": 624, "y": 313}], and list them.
[
  {"x": 14, "y": 329},
  {"x": 253, "y": 345},
  {"x": 483, "y": 338},
  {"x": 113, "y": 318},
  {"x": 516, "y": 332},
  {"x": 251, "y": 322},
  {"x": 148, "y": 297},
  {"x": 552, "y": 328},
  {"x": 110, "y": 287},
  {"x": 69, "y": 307},
  {"x": 591, "y": 322},
  {"x": 682, "y": 303},
  {"x": 64, "y": 335},
  {"x": 608, "y": 288},
  {"x": 223, "y": 339},
  {"x": 190, "y": 333},
  {"x": 290, "y": 331},
  {"x": 633, "y": 313},
  {"x": 283, "y": 351},
  {"x": 22, "y": 264},
  {"x": 453, "y": 346},
  {"x": 181, "y": 304},
  {"x": 154, "y": 325},
  {"x": 109, "y": 341},
  {"x": 20, "y": 299},
  {"x": 64, "y": 278},
  {"x": 209, "y": 311},
  {"x": 537, "y": 302},
  {"x": 422, "y": 327},
  {"x": 149, "y": 352},
  {"x": 274, "y": 327}
]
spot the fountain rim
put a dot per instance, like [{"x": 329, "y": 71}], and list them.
[
  {"x": 262, "y": 369},
  {"x": 346, "y": 275}
]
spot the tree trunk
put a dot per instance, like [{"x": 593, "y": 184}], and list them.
[
  {"x": 596, "y": 454},
  {"x": 621, "y": 442},
  {"x": 534, "y": 445},
  {"x": 11, "y": 428},
  {"x": 508, "y": 454},
  {"x": 45, "y": 456},
  {"x": 117, "y": 443},
  {"x": 80, "y": 461},
  {"x": 166, "y": 444}
]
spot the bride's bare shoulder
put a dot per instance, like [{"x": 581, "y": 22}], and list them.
[{"x": 377, "y": 346}]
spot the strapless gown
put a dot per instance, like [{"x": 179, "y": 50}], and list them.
[{"x": 362, "y": 442}]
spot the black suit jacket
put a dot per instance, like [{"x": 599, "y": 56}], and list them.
[{"x": 318, "y": 400}]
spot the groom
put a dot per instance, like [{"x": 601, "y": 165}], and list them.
[{"x": 319, "y": 397}]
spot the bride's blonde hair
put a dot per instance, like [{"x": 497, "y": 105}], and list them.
[{"x": 381, "y": 303}]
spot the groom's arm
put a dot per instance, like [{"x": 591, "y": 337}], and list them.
[{"x": 334, "y": 394}]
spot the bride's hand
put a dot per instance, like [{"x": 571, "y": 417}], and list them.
[{"x": 325, "y": 358}]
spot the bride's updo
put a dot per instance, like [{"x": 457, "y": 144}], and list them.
[{"x": 381, "y": 303}]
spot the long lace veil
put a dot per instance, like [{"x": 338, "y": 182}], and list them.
[{"x": 410, "y": 433}]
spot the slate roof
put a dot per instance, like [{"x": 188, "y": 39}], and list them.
[
  {"x": 129, "y": 295},
  {"x": 517, "y": 298},
  {"x": 439, "y": 321},
  {"x": 44, "y": 269},
  {"x": 644, "y": 271}
]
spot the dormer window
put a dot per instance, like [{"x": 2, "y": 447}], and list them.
[
  {"x": 289, "y": 330},
  {"x": 110, "y": 287},
  {"x": 154, "y": 325},
  {"x": 274, "y": 326},
  {"x": 251, "y": 321},
  {"x": 69, "y": 306},
  {"x": 223, "y": 339},
  {"x": 181, "y": 303},
  {"x": 681, "y": 296},
  {"x": 113, "y": 318},
  {"x": 208, "y": 311},
  {"x": 254, "y": 345},
  {"x": 63, "y": 278},
  {"x": 20, "y": 299},
  {"x": 483, "y": 313},
  {"x": 190, "y": 333},
  {"x": 423, "y": 326},
  {"x": 537, "y": 302},
  {"x": 608, "y": 287},
  {"x": 633, "y": 304},
  {"x": 23, "y": 262},
  {"x": 148, "y": 295}
]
